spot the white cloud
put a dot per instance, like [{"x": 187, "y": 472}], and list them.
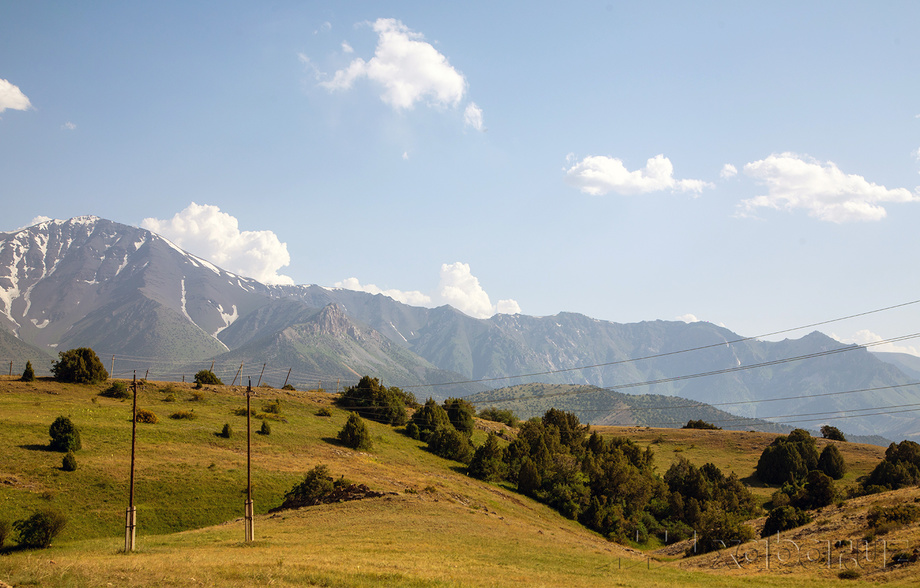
[
  {"x": 414, "y": 297},
  {"x": 599, "y": 174},
  {"x": 68, "y": 126},
  {"x": 408, "y": 69},
  {"x": 688, "y": 318},
  {"x": 866, "y": 336},
  {"x": 457, "y": 286},
  {"x": 214, "y": 235},
  {"x": 795, "y": 181},
  {"x": 346, "y": 48},
  {"x": 472, "y": 116},
  {"x": 11, "y": 97},
  {"x": 405, "y": 155},
  {"x": 728, "y": 171}
]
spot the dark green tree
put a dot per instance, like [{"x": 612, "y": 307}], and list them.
[
  {"x": 28, "y": 374},
  {"x": 788, "y": 458},
  {"x": 832, "y": 433},
  {"x": 316, "y": 484},
  {"x": 529, "y": 479},
  {"x": 355, "y": 434},
  {"x": 374, "y": 401},
  {"x": 818, "y": 491},
  {"x": 488, "y": 463},
  {"x": 64, "y": 435},
  {"x": 784, "y": 518},
  {"x": 79, "y": 366},
  {"x": 450, "y": 443},
  {"x": 899, "y": 468},
  {"x": 831, "y": 462},
  {"x": 207, "y": 377},
  {"x": 461, "y": 414},
  {"x": 429, "y": 417},
  {"x": 70, "y": 462}
]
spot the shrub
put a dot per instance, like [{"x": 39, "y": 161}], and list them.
[
  {"x": 288, "y": 387},
  {"x": 849, "y": 575},
  {"x": 461, "y": 414},
  {"x": 499, "y": 415},
  {"x": 316, "y": 484},
  {"x": 28, "y": 374},
  {"x": 900, "y": 468},
  {"x": 831, "y": 462},
  {"x": 64, "y": 435},
  {"x": 146, "y": 416},
  {"x": 784, "y": 518},
  {"x": 116, "y": 390},
  {"x": 890, "y": 517},
  {"x": 818, "y": 491},
  {"x": 718, "y": 530},
  {"x": 272, "y": 407},
  {"x": 700, "y": 424},
  {"x": 207, "y": 377},
  {"x": 40, "y": 529},
  {"x": 788, "y": 458},
  {"x": 324, "y": 412},
  {"x": 70, "y": 462},
  {"x": 226, "y": 432},
  {"x": 197, "y": 397},
  {"x": 413, "y": 431},
  {"x": 169, "y": 398},
  {"x": 355, "y": 434},
  {"x": 4, "y": 532},
  {"x": 265, "y": 429},
  {"x": 79, "y": 366},
  {"x": 450, "y": 443},
  {"x": 832, "y": 433},
  {"x": 188, "y": 415}
]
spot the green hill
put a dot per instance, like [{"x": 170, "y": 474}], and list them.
[{"x": 435, "y": 527}]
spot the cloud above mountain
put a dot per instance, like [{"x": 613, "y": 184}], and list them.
[
  {"x": 599, "y": 175},
  {"x": 213, "y": 235},
  {"x": 822, "y": 189},
  {"x": 457, "y": 287}
]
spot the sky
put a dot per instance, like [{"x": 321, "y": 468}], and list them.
[{"x": 754, "y": 165}]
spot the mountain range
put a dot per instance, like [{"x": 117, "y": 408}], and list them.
[{"x": 145, "y": 305}]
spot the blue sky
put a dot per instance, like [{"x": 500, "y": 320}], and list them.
[{"x": 754, "y": 166}]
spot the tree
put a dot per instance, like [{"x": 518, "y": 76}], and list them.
[
  {"x": 64, "y": 435},
  {"x": 207, "y": 377},
  {"x": 461, "y": 414},
  {"x": 374, "y": 401},
  {"x": 316, "y": 484},
  {"x": 355, "y": 434},
  {"x": 784, "y": 518},
  {"x": 788, "y": 458},
  {"x": 450, "y": 443},
  {"x": 429, "y": 417},
  {"x": 487, "y": 463},
  {"x": 831, "y": 462},
  {"x": 832, "y": 433},
  {"x": 70, "y": 462},
  {"x": 819, "y": 491},
  {"x": 79, "y": 366},
  {"x": 28, "y": 375}
]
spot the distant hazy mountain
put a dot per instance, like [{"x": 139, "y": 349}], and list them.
[
  {"x": 133, "y": 296},
  {"x": 907, "y": 363}
]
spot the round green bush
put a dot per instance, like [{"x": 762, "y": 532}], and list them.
[
  {"x": 207, "y": 377},
  {"x": 355, "y": 434},
  {"x": 64, "y": 435},
  {"x": 40, "y": 529},
  {"x": 28, "y": 375},
  {"x": 79, "y": 366},
  {"x": 70, "y": 462}
]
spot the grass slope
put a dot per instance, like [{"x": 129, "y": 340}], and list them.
[{"x": 438, "y": 528}]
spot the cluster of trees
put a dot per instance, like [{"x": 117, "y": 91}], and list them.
[
  {"x": 610, "y": 486},
  {"x": 376, "y": 402},
  {"x": 447, "y": 428},
  {"x": 900, "y": 468}
]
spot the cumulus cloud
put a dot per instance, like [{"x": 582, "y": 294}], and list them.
[
  {"x": 472, "y": 116},
  {"x": 728, "y": 171},
  {"x": 865, "y": 337},
  {"x": 826, "y": 193},
  {"x": 457, "y": 287},
  {"x": 599, "y": 175},
  {"x": 215, "y": 236},
  {"x": 11, "y": 97},
  {"x": 688, "y": 318},
  {"x": 407, "y": 68}
]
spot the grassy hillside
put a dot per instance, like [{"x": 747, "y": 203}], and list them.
[{"x": 437, "y": 527}]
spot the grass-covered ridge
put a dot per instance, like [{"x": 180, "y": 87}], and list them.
[{"x": 439, "y": 528}]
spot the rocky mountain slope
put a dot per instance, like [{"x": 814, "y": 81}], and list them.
[{"x": 144, "y": 304}]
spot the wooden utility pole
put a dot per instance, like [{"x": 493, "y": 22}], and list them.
[
  {"x": 260, "y": 376},
  {"x": 286, "y": 377},
  {"x": 131, "y": 514},
  {"x": 112, "y": 371},
  {"x": 238, "y": 372},
  {"x": 248, "y": 516}
]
